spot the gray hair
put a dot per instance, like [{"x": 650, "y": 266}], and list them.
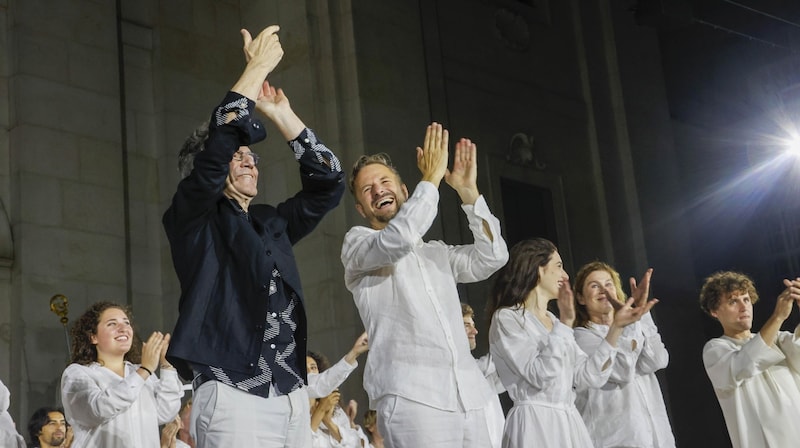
[{"x": 195, "y": 143}]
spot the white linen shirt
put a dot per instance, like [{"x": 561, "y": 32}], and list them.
[
  {"x": 758, "y": 388},
  {"x": 405, "y": 291},
  {"x": 322, "y": 384},
  {"x": 629, "y": 409},
  {"x": 106, "y": 410},
  {"x": 495, "y": 418}
]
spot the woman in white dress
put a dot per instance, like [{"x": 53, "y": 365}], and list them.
[
  {"x": 629, "y": 410},
  {"x": 537, "y": 358},
  {"x": 111, "y": 395}
]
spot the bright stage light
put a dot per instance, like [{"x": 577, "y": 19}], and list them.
[{"x": 793, "y": 146}]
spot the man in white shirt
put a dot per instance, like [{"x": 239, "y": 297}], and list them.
[
  {"x": 420, "y": 376},
  {"x": 756, "y": 376}
]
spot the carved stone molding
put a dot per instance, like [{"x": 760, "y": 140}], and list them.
[
  {"x": 522, "y": 152},
  {"x": 512, "y": 29}
]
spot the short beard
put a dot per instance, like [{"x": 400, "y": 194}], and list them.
[{"x": 56, "y": 441}]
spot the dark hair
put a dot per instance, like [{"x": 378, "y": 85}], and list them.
[
  {"x": 40, "y": 418},
  {"x": 320, "y": 359},
  {"x": 521, "y": 274},
  {"x": 193, "y": 144},
  {"x": 720, "y": 285},
  {"x": 581, "y": 315},
  {"x": 83, "y": 351},
  {"x": 380, "y": 158}
]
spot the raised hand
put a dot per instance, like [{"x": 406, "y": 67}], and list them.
[
  {"x": 432, "y": 157},
  {"x": 464, "y": 175},
  {"x": 265, "y": 49},
  {"x": 151, "y": 351},
  {"x": 169, "y": 433},
  {"x": 787, "y": 299},
  {"x": 566, "y": 304},
  {"x": 360, "y": 346},
  {"x": 641, "y": 291},
  {"x": 163, "y": 357},
  {"x": 68, "y": 438},
  {"x": 626, "y": 313},
  {"x": 352, "y": 412},
  {"x": 272, "y": 101}
]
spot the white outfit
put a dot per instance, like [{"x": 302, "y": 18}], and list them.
[
  {"x": 181, "y": 444},
  {"x": 106, "y": 410},
  {"x": 541, "y": 371},
  {"x": 322, "y": 384},
  {"x": 220, "y": 412},
  {"x": 321, "y": 438},
  {"x": 758, "y": 388},
  {"x": 9, "y": 437},
  {"x": 495, "y": 419},
  {"x": 629, "y": 410},
  {"x": 405, "y": 291}
]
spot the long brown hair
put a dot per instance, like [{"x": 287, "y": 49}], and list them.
[
  {"x": 521, "y": 274},
  {"x": 83, "y": 351}
]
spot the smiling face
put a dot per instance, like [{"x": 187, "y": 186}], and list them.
[
  {"x": 552, "y": 275},
  {"x": 114, "y": 335},
  {"x": 469, "y": 327},
  {"x": 242, "y": 181},
  {"x": 597, "y": 290},
  {"x": 379, "y": 194},
  {"x": 735, "y": 314}
]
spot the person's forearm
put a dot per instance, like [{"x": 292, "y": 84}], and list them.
[
  {"x": 769, "y": 332},
  {"x": 614, "y": 332},
  {"x": 249, "y": 83},
  {"x": 333, "y": 429},
  {"x": 288, "y": 123},
  {"x": 469, "y": 195}
]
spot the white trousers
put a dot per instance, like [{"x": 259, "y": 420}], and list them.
[
  {"x": 225, "y": 417},
  {"x": 408, "y": 424}
]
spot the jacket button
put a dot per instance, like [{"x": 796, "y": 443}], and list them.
[
  {"x": 264, "y": 287},
  {"x": 269, "y": 253},
  {"x": 250, "y": 365}
]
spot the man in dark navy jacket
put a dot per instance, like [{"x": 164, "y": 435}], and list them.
[{"x": 241, "y": 331}]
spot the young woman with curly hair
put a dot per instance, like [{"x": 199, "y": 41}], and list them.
[{"x": 110, "y": 392}]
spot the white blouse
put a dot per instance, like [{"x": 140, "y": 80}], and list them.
[
  {"x": 106, "y": 410},
  {"x": 629, "y": 409}
]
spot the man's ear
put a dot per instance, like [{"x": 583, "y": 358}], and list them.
[
  {"x": 405, "y": 191},
  {"x": 360, "y": 210},
  {"x": 713, "y": 314}
]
